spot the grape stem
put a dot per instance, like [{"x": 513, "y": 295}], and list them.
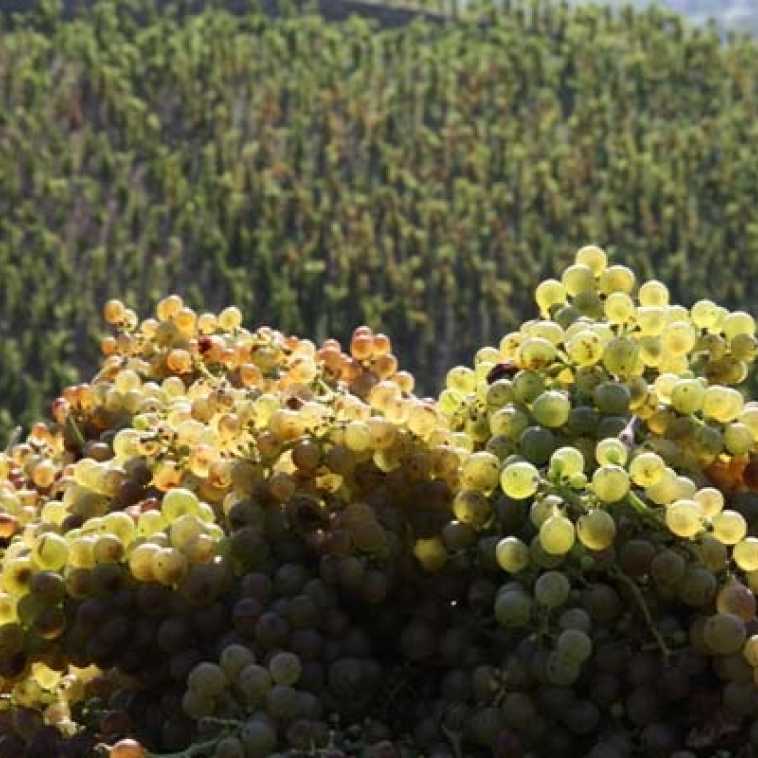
[
  {"x": 635, "y": 590},
  {"x": 454, "y": 738}
]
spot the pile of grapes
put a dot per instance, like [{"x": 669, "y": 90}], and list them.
[{"x": 239, "y": 544}]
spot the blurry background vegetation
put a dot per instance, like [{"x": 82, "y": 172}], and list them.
[{"x": 321, "y": 175}]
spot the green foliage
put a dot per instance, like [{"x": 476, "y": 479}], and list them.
[{"x": 319, "y": 175}]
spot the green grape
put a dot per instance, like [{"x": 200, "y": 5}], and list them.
[
  {"x": 736, "y": 323},
  {"x": 536, "y": 353},
  {"x": 549, "y": 293},
  {"x": 583, "y": 421},
  {"x": 150, "y": 523},
  {"x": 561, "y": 670},
  {"x": 557, "y": 535},
  {"x": 508, "y": 422},
  {"x": 621, "y": 356},
  {"x": 729, "y": 527},
  {"x": 499, "y": 393},
  {"x": 593, "y": 257},
  {"x": 551, "y": 409},
  {"x": 684, "y": 518},
  {"x": 430, "y": 553},
  {"x": 552, "y": 589},
  {"x": 745, "y": 554},
  {"x": 461, "y": 379},
  {"x": 653, "y": 293},
  {"x": 723, "y": 404},
  {"x": 254, "y": 682},
  {"x": 285, "y": 668},
  {"x": 16, "y": 575},
  {"x": 646, "y": 469},
  {"x": 234, "y": 658},
  {"x": 8, "y": 613},
  {"x": 749, "y": 417},
  {"x": 712, "y": 553},
  {"x": 665, "y": 489},
  {"x": 510, "y": 344},
  {"x": 566, "y": 461},
  {"x": 537, "y": 444},
  {"x": 141, "y": 561},
  {"x": 750, "y": 651},
  {"x": 616, "y": 279},
  {"x": 357, "y": 437},
  {"x": 577, "y": 279},
  {"x": 610, "y": 483},
  {"x": 585, "y": 348},
  {"x": 678, "y": 338},
  {"x": 611, "y": 451},
  {"x": 543, "y": 508},
  {"x": 512, "y": 555},
  {"x": 481, "y": 471},
  {"x": 177, "y": 502},
  {"x": 724, "y": 633},
  {"x": 513, "y": 608},
  {"x": 50, "y": 551},
  {"x": 738, "y": 439},
  {"x": 450, "y": 402},
  {"x": 651, "y": 320},
  {"x": 596, "y": 530},
  {"x": 612, "y": 398},
  {"x": 575, "y": 645},
  {"x": 207, "y": 679},
  {"x": 704, "y": 314},
  {"x": 651, "y": 351},
  {"x": 472, "y": 507},
  {"x": 108, "y": 549},
  {"x": 528, "y": 385},
  {"x": 590, "y": 305},
  {"x": 519, "y": 480},
  {"x": 687, "y": 395},
  {"x": 548, "y": 330},
  {"x": 575, "y": 618},
  {"x": 685, "y": 488},
  {"x": 258, "y": 738},
  {"x": 169, "y": 565},
  {"x": 619, "y": 308}
]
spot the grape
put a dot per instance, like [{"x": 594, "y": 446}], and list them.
[
  {"x": 745, "y": 554},
  {"x": 575, "y": 618},
  {"x": 512, "y": 554},
  {"x": 178, "y": 502},
  {"x": 710, "y": 500},
  {"x": 513, "y": 608},
  {"x": 619, "y": 308},
  {"x": 519, "y": 480},
  {"x": 578, "y": 278},
  {"x": 50, "y": 551},
  {"x": 593, "y": 257},
  {"x": 678, "y": 338},
  {"x": 646, "y": 469},
  {"x": 254, "y": 682},
  {"x": 258, "y": 739},
  {"x": 567, "y": 461},
  {"x": 548, "y": 294},
  {"x": 610, "y": 483},
  {"x": 537, "y": 444},
  {"x": 536, "y": 353},
  {"x": 480, "y": 472},
  {"x": 551, "y": 409},
  {"x": 684, "y": 518},
  {"x": 653, "y": 293},
  {"x": 561, "y": 670},
  {"x": 557, "y": 535},
  {"x": 528, "y": 386},
  {"x": 207, "y": 680},
  {"x": 234, "y": 658},
  {"x": 750, "y": 651},
  {"x": 285, "y": 668},
  {"x": 611, "y": 451},
  {"x": 697, "y": 587},
  {"x": 737, "y": 599},
  {"x": 687, "y": 395},
  {"x": 736, "y": 323},
  {"x": 738, "y": 439},
  {"x": 584, "y": 348},
  {"x": 724, "y": 633},
  {"x": 612, "y": 398},
  {"x": 551, "y": 589},
  {"x": 575, "y": 645},
  {"x": 620, "y": 357},
  {"x": 596, "y": 529},
  {"x": 729, "y": 527}
]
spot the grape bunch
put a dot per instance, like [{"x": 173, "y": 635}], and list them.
[{"x": 239, "y": 544}]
